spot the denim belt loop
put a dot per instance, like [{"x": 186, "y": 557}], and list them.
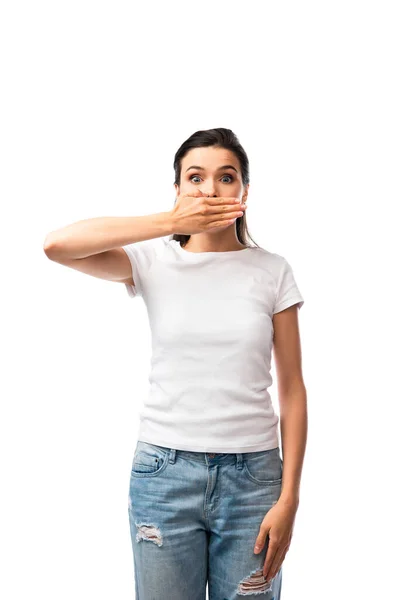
[
  {"x": 239, "y": 460},
  {"x": 172, "y": 455}
]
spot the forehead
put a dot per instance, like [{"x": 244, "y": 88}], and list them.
[{"x": 210, "y": 158}]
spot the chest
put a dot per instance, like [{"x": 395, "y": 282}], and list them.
[{"x": 211, "y": 306}]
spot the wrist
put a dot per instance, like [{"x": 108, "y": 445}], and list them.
[
  {"x": 167, "y": 223},
  {"x": 291, "y": 500}
]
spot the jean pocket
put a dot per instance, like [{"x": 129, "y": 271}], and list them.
[
  {"x": 149, "y": 460},
  {"x": 264, "y": 468}
]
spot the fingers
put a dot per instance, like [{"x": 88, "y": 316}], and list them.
[
  {"x": 230, "y": 209},
  {"x": 222, "y": 200},
  {"x": 208, "y": 213},
  {"x": 233, "y": 215},
  {"x": 226, "y": 208},
  {"x": 224, "y": 219},
  {"x": 270, "y": 571},
  {"x": 217, "y": 201},
  {"x": 270, "y": 559},
  {"x": 260, "y": 541}
]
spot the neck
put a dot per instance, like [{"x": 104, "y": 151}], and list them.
[{"x": 206, "y": 242}]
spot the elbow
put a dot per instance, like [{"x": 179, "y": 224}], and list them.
[{"x": 50, "y": 247}]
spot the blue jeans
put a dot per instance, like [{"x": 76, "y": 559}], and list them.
[{"x": 194, "y": 519}]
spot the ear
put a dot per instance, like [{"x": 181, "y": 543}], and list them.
[{"x": 245, "y": 193}]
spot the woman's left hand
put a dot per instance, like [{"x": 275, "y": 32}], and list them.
[{"x": 278, "y": 525}]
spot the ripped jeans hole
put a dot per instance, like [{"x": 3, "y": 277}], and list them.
[
  {"x": 255, "y": 583},
  {"x": 148, "y": 532}
]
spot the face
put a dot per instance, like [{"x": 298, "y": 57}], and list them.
[{"x": 211, "y": 179}]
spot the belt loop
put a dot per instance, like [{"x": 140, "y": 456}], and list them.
[
  {"x": 172, "y": 455},
  {"x": 239, "y": 460}
]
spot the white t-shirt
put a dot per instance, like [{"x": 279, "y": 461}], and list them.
[{"x": 210, "y": 315}]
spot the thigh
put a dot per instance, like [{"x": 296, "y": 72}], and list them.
[
  {"x": 246, "y": 495},
  {"x": 169, "y": 545}
]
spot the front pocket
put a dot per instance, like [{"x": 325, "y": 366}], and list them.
[
  {"x": 264, "y": 469},
  {"x": 149, "y": 460}
]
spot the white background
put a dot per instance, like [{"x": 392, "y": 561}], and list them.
[{"x": 96, "y": 97}]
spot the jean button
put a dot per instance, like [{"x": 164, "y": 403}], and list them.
[{"x": 211, "y": 455}]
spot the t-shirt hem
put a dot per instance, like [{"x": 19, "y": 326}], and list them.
[
  {"x": 133, "y": 290},
  {"x": 269, "y": 445},
  {"x": 289, "y": 302}
]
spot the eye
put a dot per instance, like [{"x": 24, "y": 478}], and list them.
[{"x": 230, "y": 177}]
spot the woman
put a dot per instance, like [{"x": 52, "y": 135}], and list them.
[{"x": 209, "y": 499}]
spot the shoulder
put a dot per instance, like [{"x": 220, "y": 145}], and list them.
[
  {"x": 147, "y": 249},
  {"x": 272, "y": 262},
  {"x": 143, "y": 256}
]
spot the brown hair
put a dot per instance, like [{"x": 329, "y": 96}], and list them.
[{"x": 221, "y": 138}]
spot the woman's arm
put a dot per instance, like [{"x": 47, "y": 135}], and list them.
[
  {"x": 278, "y": 523},
  {"x": 292, "y": 401},
  {"x": 93, "y": 246},
  {"x": 92, "y": 236}
]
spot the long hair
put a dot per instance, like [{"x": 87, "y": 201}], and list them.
[{"x": 221, "y": 138}]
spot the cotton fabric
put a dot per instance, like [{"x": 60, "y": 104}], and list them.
[{"x": 210, "y": 315}]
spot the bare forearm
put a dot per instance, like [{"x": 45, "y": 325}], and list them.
[
  {"x": 294, "y": 425},
  {"x": 92, "y": 236}
]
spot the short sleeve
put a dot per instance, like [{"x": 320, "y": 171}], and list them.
[
  {"x": 142, "y": 256},
  {"x": 287, "y": 292}
]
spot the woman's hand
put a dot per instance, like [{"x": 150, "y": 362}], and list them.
[
  {"x": 278, "y": 525},
  {"x": 198, "y": 213}
]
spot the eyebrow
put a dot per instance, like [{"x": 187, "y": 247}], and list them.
[{"x": 219, "y": 168}]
